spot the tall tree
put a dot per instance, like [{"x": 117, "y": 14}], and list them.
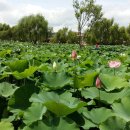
[
  {"x": 4, "y": 27},
  {"x": 115, "y": 34},
  {"x": 5, "y": 31},
  {"x": 123, "y": 37},
  {"x": 128, "y": 29},
  {"x": 86, "y": 13},
  {"x": 49, "y": 34},
  {"x": 61, "y": 36},
  {"x": 105, "y": 29},
  {"x": 33, "y": 28},
  {"x": 128, "y": 32},
  {"x": 72, "y": 37},
  {"x": 100, "y": 31},
  {"x": 65, "y": 36}
]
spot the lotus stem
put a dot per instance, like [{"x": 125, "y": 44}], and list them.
[
  {"x": 99, "y": 93},
  {"x": 114, "y": 71}
]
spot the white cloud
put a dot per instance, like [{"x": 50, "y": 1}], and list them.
[
  {"x": 57, "y": 18},
  {"x": 119, "y": 10},
  {"x": 4, "y": 5},
  {"x": 121, "y": 17},
  {"x": 61, "y": 17}
]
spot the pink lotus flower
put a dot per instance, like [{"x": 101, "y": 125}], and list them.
[
  {"x": 98, "y": 83},
  {"x": 74, "y": 55},
  {"x": 114, "y": 64}
]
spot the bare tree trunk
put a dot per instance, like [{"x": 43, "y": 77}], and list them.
[{"x": 80, "y": 35}]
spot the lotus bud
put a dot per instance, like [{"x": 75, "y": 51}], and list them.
[
  {"x": 98, "y": 83},
  {"x": 74, "y": 55},
  {"x": 54, "y": 65}
]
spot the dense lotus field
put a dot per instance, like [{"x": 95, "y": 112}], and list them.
[{"x": 47, "y": 87}]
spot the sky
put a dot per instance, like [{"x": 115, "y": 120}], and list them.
[{"x": 60, "y": 13}]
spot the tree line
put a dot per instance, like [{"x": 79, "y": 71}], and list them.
[{"x": 34, "y": 28}]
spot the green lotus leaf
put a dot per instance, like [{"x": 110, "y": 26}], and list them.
[
  {"x": 127, "y": 75},
  {"x": 4, "y": 52},
  {"x": 2, "y": 69},
  {"x": 88, "y": 124},
  {"x": 87, "y": 62},
  {"x": 56, "y": 124},
  {"x": 122, "y": 109},
  {"x": 27, "y": 72},
  {"x": 98, "y": 115},
  {"x": 18, "y": 65},
  {"x": 20, "y": 99},
  {"x": 4, "y": 75},
  {"x": 93, "y": 93},
  {"x": 61, "y": 105},
  {"x": 113, "y": 123},
  {"x": 56, "y": 80},
  {"x": 113, "y": 82},
  {"x": 6, "y": 126},
  {"x": 85, "y": 80},
  {"x": 127, "y": 126},
  {"x": 27, "y": 56},
  {"x": 10, "y": 118},
  {"x": 44, "y": 67},
  {"x": 34, "y": 113},
  {"x": 7, "y": 89}
]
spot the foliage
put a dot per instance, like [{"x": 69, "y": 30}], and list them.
[
  {"x": 86, "y": 13},
  {"x": 106, "y": 31},
  {"x": 35, "y": 94},
  {"x": 65, "y": 36},
  {"x": 6, "y": 126},
  {"x": 33, "y": 28}
]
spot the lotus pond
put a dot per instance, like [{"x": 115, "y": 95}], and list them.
[{"x": 42, "y": 87}]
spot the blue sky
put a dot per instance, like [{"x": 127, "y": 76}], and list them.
[{"x": 60, "y": 13}]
